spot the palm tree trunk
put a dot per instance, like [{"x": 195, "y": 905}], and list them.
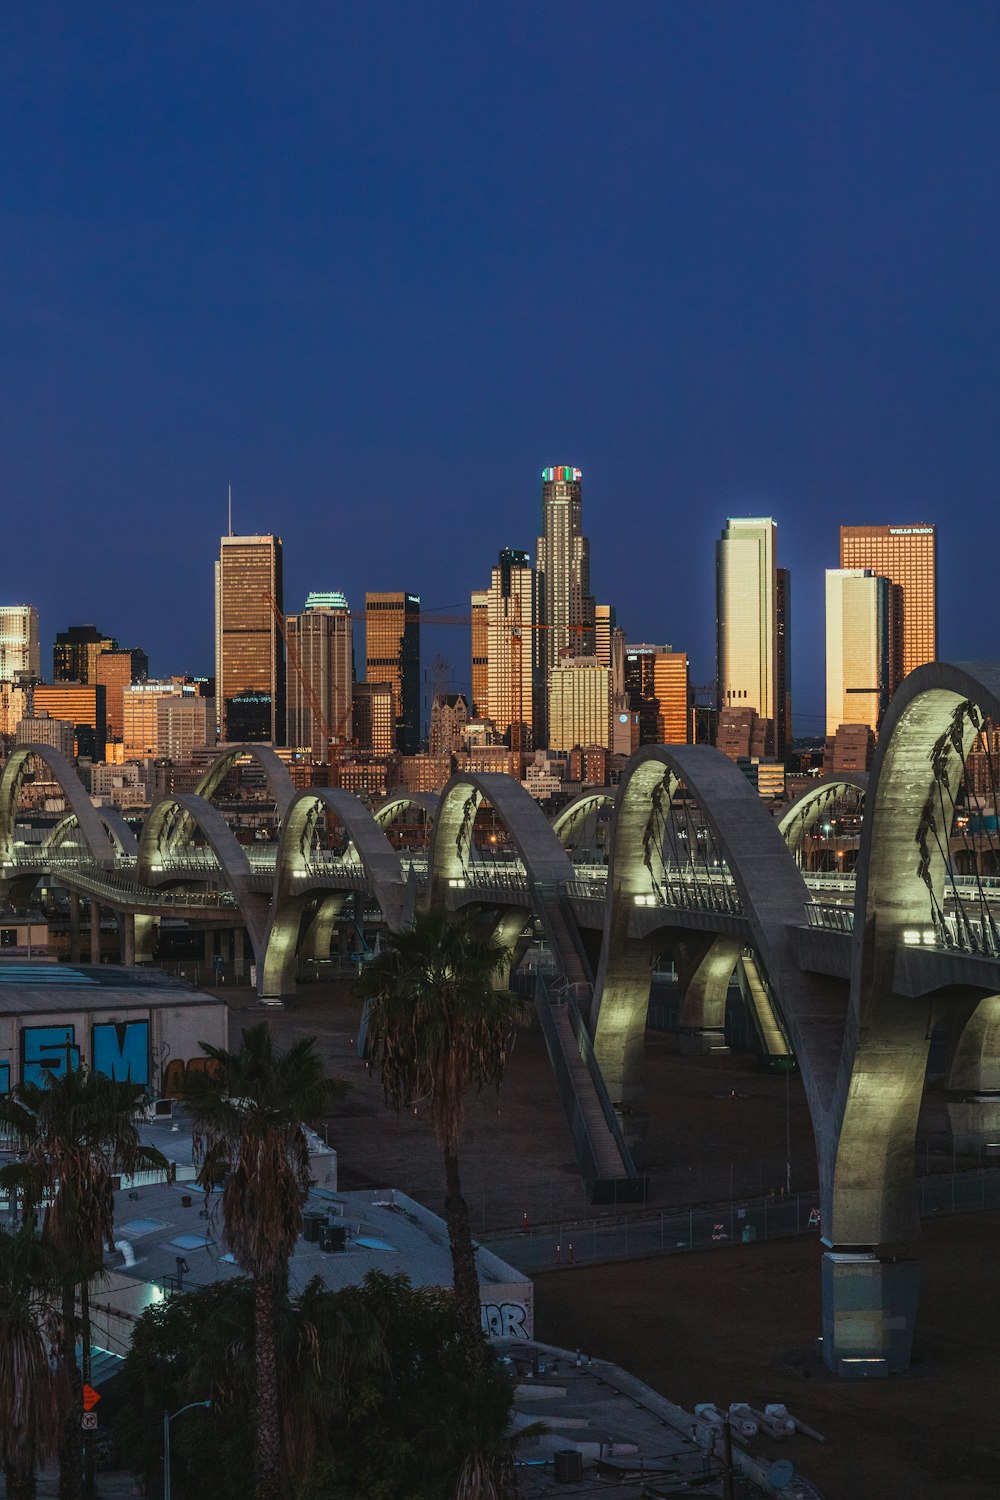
[
  {"x": 463, "y": 1263},
  {"x": 71, "y": 1434},
  {"x": 20, "y": 1483},
  {"x": 89, "y": 1450},
  {"x": 270, "y": 1471}
]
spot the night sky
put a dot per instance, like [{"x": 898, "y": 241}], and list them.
[{"x": 377, "y": 264}]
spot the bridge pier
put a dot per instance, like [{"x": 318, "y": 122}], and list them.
[
  {"x": 95, "y": 931},
  {"x": 74, "y": 928},
  {"x": 126, "y": 938},
  {"x": 318, "y": 936},
  {"x": 871, "y": 1225},
  {"x": 974, "y": 1074},
  {"x": 705, "y": 965},
  {"x": 145, "y": 927},
  {"x": 238, "y": 959},
  {"x": 869, "y": 1309}
]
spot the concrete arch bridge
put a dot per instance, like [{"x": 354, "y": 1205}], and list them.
[{"x": 847, "y": 969}]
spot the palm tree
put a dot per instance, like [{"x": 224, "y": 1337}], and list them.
[
  {"x": 438, "y": 1026},
  {"x": 76, "y": 1133},
  {"x": 248, "y": 1118},
  {"x": 29, "y": 1405}
]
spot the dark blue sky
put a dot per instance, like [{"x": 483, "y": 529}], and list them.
[{"x": 377, "y": 264}]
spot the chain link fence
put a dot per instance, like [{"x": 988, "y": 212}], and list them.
[{"x": 701, "y": 1227}]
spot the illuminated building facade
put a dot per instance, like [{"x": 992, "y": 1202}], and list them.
[
  {"x": 75, "y": 653},
  {"x": 579, "y": 704},
  {"x": 480, "y": 649},
  {"x": 907, "y": 557},
  {"x": 747, "y": 617},
  {"x": 19, "y": 650},
  {"x": 392, "y": 655},
  {"x": 374, "y": 718},
  {"x": 249, "y": 653},
  {"x": 514, "y": 672},
  {"x": 657, "y": 689},
  {"x": 858, "y": 680},
  {"x": 117, "y": 670},
  {"x": 320, "y": 668},
  {"x": 563, "y": 560},
  {"x": 81, "y": 704}
]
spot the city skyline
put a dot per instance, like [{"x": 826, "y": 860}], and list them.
[
  {"x": 456, "y": 643},
  {"x": 348, "y": 293}
]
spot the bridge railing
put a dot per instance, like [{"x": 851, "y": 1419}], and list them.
[
  {"x": 694, "y": 890},
  {"x": 829, "y": 918}
]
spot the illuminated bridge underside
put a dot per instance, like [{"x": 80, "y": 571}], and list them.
[{"x": 848, "y": 975}]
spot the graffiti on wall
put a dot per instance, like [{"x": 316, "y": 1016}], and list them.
[
  {"x": 48, "y": 1052},
  {"x": 121, "y": 1050},
  {"x": 504, "y": 1320}
]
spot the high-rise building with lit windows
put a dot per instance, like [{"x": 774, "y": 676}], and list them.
[
  {"x": 480, "y": 649},
  {"x": 907, "y": 557},
  {"x": 75, "y": 653},
  {"x": 566, "y": 608},
  {"x": 514, "y": 699},
  {"x": 658, "y": 689},
  {"x": 857, "y": 648},
  {"x": 392, "y": 655},
  {"x": 563, "y": 562},
  {"x": 747, "y": 618},
  {"x": 19, "y": 651},
  {"x": 320, "y": 675},
  {"x": 249, "y": 652}
]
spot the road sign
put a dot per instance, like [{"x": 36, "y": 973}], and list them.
[
  {"x": 90, "y": 1398},
  {"x": 88, "y": 1421}
]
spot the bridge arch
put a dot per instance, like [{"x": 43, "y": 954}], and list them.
[
  {"x": 762, "y": 896},
  {"x": 903, "y": 872},
  {"x": 158, "y": 845},
  {"x": 270, "y": 762},
  {"x": 801, "y": 816},
  {"x": 93, "y": 829},
  {"x": 579, "y": 809},
  {"x": 425, "y": 802},
  {"x": 368, "y": 848},
  {"x": 123, "y": 841},
  {"x": 544, "y": 859}
]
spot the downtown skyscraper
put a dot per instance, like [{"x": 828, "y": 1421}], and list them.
[
  {"x": 249, "y": 652},
  {"x": 752, "y": 651},
  {"x": 514, "y": 670},
  {"x": 566, "y": 605},
  {"x": 320, "y": 675},
  {"x": 392, "y": 656},
  {"x": 907, "y": 557}
]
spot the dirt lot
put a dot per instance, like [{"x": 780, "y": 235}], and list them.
[
  {"x": 732, "y": 1324},
  {"x": 735, "y": 1325}
]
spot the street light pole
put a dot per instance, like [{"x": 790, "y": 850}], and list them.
[{"x": 167, "y": 1419}]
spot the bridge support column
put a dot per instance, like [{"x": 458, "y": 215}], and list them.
[
  {"x": 869, "y": 1309},
  {"x": 238, "y": 959},
  {"x": 871, "y": 1272},
  {"x": 507, "y": 930},
  {"x": 209, "y": 949},
  {"x": 705, "y": 966},
  {"x": 126, "y": 934},
  {"x": 95, "y": 932},
  {"x": 145, "y": 926},
  {"x": 975, "y": 1075},
  {"x": 618, "y": 1015},
  {"x": 74, "y": 928},
  {"x": 319, "y": 934}
]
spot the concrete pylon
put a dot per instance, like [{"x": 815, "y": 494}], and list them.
[{"x": 74, "y": 927}]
